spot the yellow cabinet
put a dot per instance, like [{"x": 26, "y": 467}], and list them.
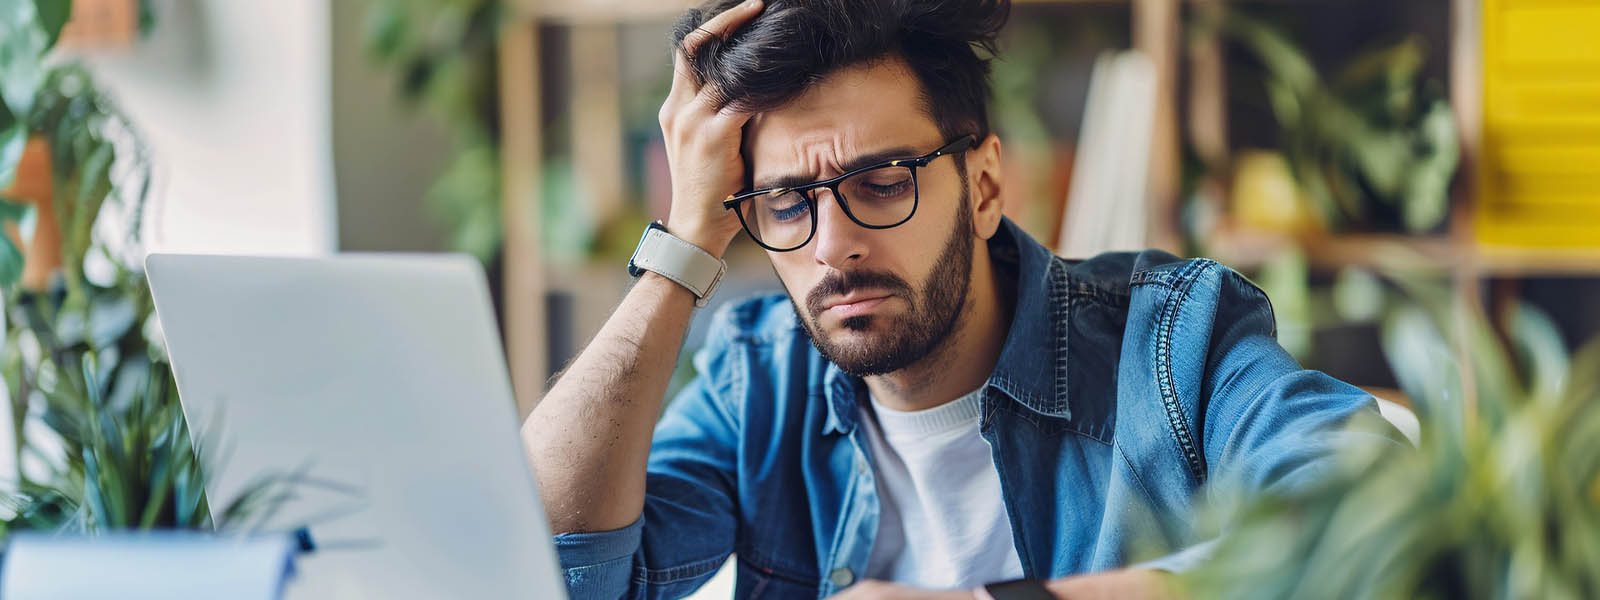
[{"x": 1539, "y": 179}]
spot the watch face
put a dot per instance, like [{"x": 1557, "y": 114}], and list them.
[
  {"x": 634, "y": 270},
  {"x": 1021, "y": 589}
]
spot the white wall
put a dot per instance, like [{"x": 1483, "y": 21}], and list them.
[{"x": 233, "y": 100}]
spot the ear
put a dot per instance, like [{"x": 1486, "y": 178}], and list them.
[{"x": 985, "y": 181}]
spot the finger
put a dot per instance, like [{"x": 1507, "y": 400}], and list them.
[
  {"x": 682, "y": 77},
  {"x": 727, "y": 122},
  {"x": 704, "y": 102},
  {"x": 701, "y": 103},
  {"x": 684, "y": 83},
  {"x": 721, "y": 25}
]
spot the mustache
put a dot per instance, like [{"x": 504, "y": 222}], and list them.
[{"x": 840, "y": 283}]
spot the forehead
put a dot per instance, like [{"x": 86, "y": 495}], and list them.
[{"x": 850, "y": 113}]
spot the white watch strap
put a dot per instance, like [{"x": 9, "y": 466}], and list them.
[{"x": 685, "y": 263}]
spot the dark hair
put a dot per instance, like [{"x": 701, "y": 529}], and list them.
[{"x": 793, "y": 44}]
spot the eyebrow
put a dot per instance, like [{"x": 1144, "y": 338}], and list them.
[{"x": 859, "y": 162}]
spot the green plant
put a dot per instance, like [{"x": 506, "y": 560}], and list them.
[
  {"x": 1501, "y": 499},
  {"x": 1372, "y": 145},
  {"x": 445, "y": 53},
  {"x": 27, "y": 31},
  {"x": 123, "y": 467},
  {"x": 114, "y": 452}
]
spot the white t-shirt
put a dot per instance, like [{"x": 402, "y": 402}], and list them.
[{"x": 942, "y": 522}]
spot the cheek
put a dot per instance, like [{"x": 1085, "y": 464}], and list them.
[
  {"x": 920, "y": 240},
  {"x": 794, "y": 271},
  {"x": 918, "y": 255}
]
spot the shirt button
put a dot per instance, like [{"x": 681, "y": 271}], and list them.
[
  {"x": 841, "y": 577},
  {"x": 861, "y": 465}
]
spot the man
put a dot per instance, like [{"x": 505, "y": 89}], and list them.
[{"x": 939, "y": 404}]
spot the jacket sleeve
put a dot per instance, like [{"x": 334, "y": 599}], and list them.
[
  {"x": 687, "y": 528},
  {"x": 1265, "y": 423},
  {"x": 1268, "y": 423}
]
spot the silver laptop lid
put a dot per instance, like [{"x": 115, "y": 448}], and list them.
[{"x": 380, "y": 379}]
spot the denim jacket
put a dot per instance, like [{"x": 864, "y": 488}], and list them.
[{"x": 1125, "y": 382}]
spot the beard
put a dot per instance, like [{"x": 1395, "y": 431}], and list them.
[{"x": 909, "y": 336}]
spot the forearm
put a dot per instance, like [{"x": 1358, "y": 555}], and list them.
[{"x": 588, "y": 440}]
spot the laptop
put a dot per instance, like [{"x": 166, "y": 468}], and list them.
[{"x": 374, "y": 387}]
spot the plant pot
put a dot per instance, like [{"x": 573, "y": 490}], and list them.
[{"x": 35, "y": 185}]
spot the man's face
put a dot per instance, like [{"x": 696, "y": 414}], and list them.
[{"x": 874, "y": 301}]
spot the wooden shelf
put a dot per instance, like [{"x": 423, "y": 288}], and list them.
[
  {"x": 642, "y": 11},
  {"x": 602, "y": 11},
  {"x": 1498, "y": 261},
  {"x": 1249, "y": 249}
]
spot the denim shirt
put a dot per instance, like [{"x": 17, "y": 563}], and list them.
[{"x": 1125, "y": 382}]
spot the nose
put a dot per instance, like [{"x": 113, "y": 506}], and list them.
[{"x": 839, "y": 243}]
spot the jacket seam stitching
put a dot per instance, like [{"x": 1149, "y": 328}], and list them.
[
  {"x": 678, "y": 573},
  {"x": 1169, "y": 396},
  {"x": 1059, "y": 312}
]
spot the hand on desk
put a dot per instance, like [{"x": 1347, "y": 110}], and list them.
[
  {"x": 883, "y": 590},
  {"x": 1125, "y": 583}
]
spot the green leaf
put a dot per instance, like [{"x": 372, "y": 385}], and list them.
[
  {"x": 160, "y": 487},
  {"x": 1542, "y": 352},
  {"x": 10, "y": 262},
  {"x": 1283, "y": 60},
  {"x": 12, "y": 140},
  {"x": 1357, "y": 295},
  {"x": 111, "y": 317},
  {"x": 93, "y": 185},
  {"x": 147, "y": 16},
  {"x": 22, "y": 48},
  {"x": 53, "y": 14},
  {"x": 13, "y": 211},
  {"x": 1421, "y": 360},
  {"x": 386, "y": 28},
  {"x": 1382, "y": 156},
  {"x": 1427, "y": 193},
  {"x": 93, "y": 496}
]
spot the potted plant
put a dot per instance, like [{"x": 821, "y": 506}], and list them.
[
  {"x": 1371, "y": 147},
  {"x": 100, "y": 438}
]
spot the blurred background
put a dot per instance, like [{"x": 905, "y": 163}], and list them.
[
  {"x": 1341, "y": 153},
  {"x": 1303, "y": 142}
]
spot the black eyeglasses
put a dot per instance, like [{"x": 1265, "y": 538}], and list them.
[{"x": 877, "y": 197}]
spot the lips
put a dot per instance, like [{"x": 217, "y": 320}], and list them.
[{"x": 854, "y": 305}]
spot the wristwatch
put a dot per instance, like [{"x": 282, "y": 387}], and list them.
[
  {"x": 664, "y": 254},
  {"x": 1019, "y": 589}
]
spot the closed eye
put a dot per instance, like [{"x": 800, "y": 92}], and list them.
[
  {"x": 887, "y": 191},
  {"x": 791, "y": 212}
]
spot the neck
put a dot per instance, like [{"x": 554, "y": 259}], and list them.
[{"x": 965, "y": 359}]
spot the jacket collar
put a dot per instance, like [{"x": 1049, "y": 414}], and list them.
[{"x": 1038, "y": 328}]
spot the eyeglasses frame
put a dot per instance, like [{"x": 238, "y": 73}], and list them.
[{"x": 957, "y": 146}]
